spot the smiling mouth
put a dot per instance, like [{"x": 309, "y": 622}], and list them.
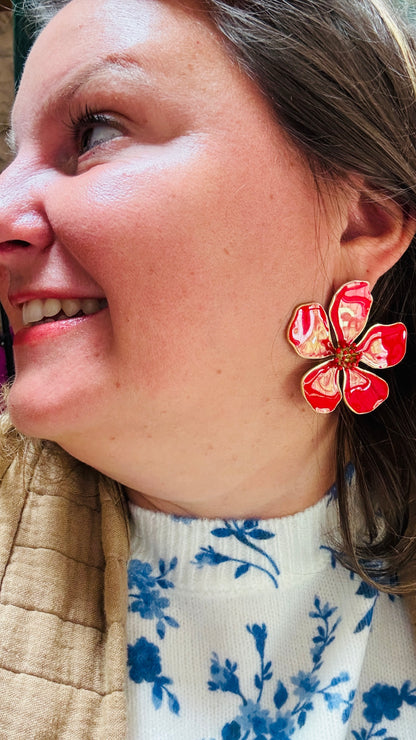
[{"x": 52, "y": 309}]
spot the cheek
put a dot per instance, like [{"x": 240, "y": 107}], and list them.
[
  {"x": 177, "y": 214},
  {"x": 193, "y": 263}
]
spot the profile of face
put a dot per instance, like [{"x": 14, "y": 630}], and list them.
[{"x": 152, "y": 177}]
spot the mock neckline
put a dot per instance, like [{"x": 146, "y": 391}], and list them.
[{"x": 202, "y": 553}]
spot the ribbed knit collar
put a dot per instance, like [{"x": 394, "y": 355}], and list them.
[{"x": 204, "y": 552}]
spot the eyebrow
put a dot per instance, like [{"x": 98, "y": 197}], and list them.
[{"x": 64, "y": 93}]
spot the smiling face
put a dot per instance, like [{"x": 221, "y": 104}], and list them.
[{"x": 152, "y": 180}]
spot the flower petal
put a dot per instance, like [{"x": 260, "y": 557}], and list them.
[
  {"x": 383, "y": 345},
  {"x": 309, "y": 332},
  {"x": 321, "y": 387},
  {"x": 349, "y": 310},
  {"x": 364, "y": 391}
]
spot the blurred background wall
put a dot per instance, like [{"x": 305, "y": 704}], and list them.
[
  {"x": 6, "y": 74},
  {"x": 6, "y": 100}
]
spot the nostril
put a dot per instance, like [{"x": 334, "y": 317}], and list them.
[{"x": 13, "y": 243}]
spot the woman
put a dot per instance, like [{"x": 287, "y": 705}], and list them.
[{"x": 193, "y": 183}]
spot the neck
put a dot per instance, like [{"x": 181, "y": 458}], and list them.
[{"x": 277, "y": 479}]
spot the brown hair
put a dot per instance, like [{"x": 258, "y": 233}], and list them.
[{"x": 341, "y": 78}]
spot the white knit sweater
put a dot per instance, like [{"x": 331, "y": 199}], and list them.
[{"x": 252, "y": 631}]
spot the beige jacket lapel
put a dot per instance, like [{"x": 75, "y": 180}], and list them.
[{"x": 63, "y": 535}]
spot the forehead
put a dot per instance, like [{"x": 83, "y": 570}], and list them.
[{"x": 149, "y": 38}]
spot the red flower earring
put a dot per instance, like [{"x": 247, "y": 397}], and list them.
[{"x": 382, "y": 346}]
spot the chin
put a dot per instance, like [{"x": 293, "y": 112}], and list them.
[{"x": 40, "y": 412}]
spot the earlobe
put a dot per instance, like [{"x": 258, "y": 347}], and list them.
[{"x": 376, "y": 235}]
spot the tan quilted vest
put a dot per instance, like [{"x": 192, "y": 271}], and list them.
[{"x": 63, "y": 595}]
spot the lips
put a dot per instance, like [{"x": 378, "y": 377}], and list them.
[{"x": 39, "y": 311}]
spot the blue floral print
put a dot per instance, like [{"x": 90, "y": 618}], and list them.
[
  {"x": 383, "y": 703},
  {"x": 364, "y": 589},
  {"x": 368, "y": 592},
  {"x": 332, "y": 493},
  {"x": 255, "y": 722},
  {"x": 146, "y": 596},
  {"x": 247, "y": 533},
  {"x": 143, "y": 658},
  {"x": 311, "y": 681},
  {"x": 182, "y": 519}
]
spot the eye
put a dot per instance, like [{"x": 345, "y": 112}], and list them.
[
  {"x": 95, "y": 134},
  {"x": 93, "y": 129}
]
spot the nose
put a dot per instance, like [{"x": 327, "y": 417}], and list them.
[{"x": 24, "y": 225}]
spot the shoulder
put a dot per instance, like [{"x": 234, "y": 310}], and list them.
[
  {"x": 39, "y": 475},
  {"x": 23, "y": 458},
  {"x": 33, "y": 470}
]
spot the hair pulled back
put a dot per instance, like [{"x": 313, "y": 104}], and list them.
[{"x": 340, "y": 76}]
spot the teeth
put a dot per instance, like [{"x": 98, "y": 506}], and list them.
[
  {"x": 32, "y": 311},
  {"x": 51, "y": 307},
  {"x": 90, "y": 305},
  {"x": 71, "y": 306},
  {"x": 37, "y": 310}
]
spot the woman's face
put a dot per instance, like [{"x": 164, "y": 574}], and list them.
[{"x": 151, "y": 176}]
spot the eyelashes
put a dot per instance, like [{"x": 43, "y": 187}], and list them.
[
  {"x": 90, "y": 128},
  {"x": 83, "y": 116}
]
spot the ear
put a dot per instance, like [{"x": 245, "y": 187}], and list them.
[{"x": 377, "y": 233}]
